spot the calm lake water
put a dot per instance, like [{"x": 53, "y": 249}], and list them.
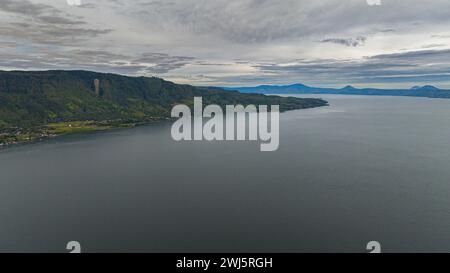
[{"x": 363, "y": 169}]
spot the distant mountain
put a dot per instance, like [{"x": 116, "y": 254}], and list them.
[
  {"x": 417, "y": 91},
  {"x": 278, "y": 89},
  {"x": 39, "y": 98},
  {"x": 429, "y": 88}
]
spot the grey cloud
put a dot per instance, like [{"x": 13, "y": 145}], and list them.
[
  {"x": 44, "y": 34},
  {"x": 59, "y": 20},
  {"x": 8, "y": 44},
  {"x": 40, "y": 12},
  {"x": 440, "y": 36},
  {"x": 98, "y": 60},
  {"x": 25, "y": 7},
  {"x": 163, "y": 68},
  {"x": 358, "y": 41},
  {"x": 433, "y": 46},
  {"x": 163, "y": 63},
  {"x": 386, "y": 30},
  {"x": 255, "y": 21},
  {"x": 427, "y": 56},
  {"x": 161, "y": 57},
  {"x": 44, "y": 24},
  {"x": 230, "y": 41},
  {"x": 88, "y": 6},
  {"x": 384, "y": 68}
]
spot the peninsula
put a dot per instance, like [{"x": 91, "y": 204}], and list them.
[{"x": 40, "y": 104}]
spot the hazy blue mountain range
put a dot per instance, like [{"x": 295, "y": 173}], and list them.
[{"x": 416, "y": 91}]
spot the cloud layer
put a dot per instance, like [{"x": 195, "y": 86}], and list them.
[{"x": 226, "y": 42}]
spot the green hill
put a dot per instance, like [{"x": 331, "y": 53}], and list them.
[{"x": 41, "y": 103}]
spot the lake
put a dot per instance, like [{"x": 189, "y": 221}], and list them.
[{"x": 363, "y": 169}]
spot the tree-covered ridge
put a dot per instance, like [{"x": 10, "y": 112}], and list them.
[{"x": 30, "y": 99}]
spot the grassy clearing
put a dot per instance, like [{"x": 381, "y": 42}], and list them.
[
  {"x": 18, "y": 135},
  {"x": 63, "y": 128}
]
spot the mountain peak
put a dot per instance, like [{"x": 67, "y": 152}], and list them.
[
  {"x": 298, "y": 85},
  {"x": 431, "y": 87},
  {"x": 425, "y": 87},
  {"x": 348, "y": 87}
]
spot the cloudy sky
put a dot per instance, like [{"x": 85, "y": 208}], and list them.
[{"x": 399, "y": 43}]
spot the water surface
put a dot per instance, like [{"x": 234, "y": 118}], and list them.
[{"x": 363, "y": 169}]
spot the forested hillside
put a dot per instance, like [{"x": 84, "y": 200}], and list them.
[{"x": 36, "y": 99}]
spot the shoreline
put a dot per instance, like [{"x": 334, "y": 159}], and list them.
[
  {"x": 54, "y": 130},
  {"x": 22, "y": 136}
]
